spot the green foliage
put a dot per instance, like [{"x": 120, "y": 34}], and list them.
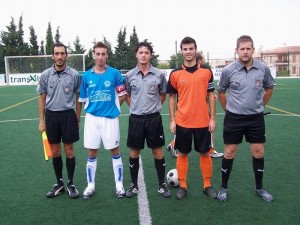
[
  {"x": 10, "y": 39},
  {"x": 49, "y": 40},
  {"x": 123, "y": 56},
  {"x": 176, "y": 61},
  {"x": 42, "y": 51},
  {"x": 163, "y": 66},
  {"x": 13, "y": 40},
  {"x": 2, "y": 65},
  {"x": 133, "y": 42},
  {"x": 121, "y": 51},
  {"x": 33, "y": 47},
  {"x": 20, "y": 31},
  {"x": 23, "y": 48},
  {"x": 57, "y": 36},
  {"x": 78, "y": 48}
]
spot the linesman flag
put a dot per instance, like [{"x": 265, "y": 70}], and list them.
[{"x": 46, "y": 145}]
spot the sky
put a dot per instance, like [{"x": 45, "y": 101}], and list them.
[{"x": 214, "y": 24}]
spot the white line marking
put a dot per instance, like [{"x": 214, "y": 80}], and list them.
[{"x": 144, "y": 211}]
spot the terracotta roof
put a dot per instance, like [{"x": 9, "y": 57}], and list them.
[{"x": 284, "y": 49}]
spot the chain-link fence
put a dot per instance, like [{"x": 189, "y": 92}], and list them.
[
  {"x": 37, "y": 64},
  {"x": 26, "y": 70}
]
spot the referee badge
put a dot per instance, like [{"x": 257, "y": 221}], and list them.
[
  {"x": 153, "y": 87},
  {"x": 258, "y": 83},
  {"x": 67, "y": 89}
]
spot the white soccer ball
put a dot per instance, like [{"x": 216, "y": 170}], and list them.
[{"x": 172, "y": 178}]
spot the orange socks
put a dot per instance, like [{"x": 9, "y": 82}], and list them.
[
  {"x": 182, "y": 166},
  {"x": 206, "y": 169}
]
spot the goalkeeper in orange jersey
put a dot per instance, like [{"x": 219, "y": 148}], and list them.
[
  {"x": 192, "y": 107},
  {"x": 212, "y": 152}
]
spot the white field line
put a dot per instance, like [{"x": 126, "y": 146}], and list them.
[{"x": 142, "y": 198}]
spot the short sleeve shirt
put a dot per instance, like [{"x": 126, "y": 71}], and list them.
[
  {"x": 98, "y": 92},
  {"x": 191, "y": 84},
  {"x": 145, "y": 90},
  {"x": 245, "y": 88},
  {"x": 60, "y": 88}
]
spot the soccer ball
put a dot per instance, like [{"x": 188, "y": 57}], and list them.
[{"x": 172, "y": 178}]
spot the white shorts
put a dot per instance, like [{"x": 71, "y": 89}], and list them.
[{"x": 97, "y": 129}]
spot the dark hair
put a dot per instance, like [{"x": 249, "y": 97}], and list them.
[
  {"x": 144, "y": 44},
  {"x": 188, "y": 40},
  {"x": 244, "y": 38},
  {"x": 100, "y": 45},
  {"x": 58, "y": 44}
]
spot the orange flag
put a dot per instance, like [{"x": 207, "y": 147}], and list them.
[{"x": 46, "y": 145}]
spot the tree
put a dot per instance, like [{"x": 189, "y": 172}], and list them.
[
  {"x": 2, "y": 64},
  {"x": 57, "y": 35},
  {"x": 20, "y": 31},
  {"x": 78, "y": 48},
  {"x": 10, "y": 38},
  {"x": 23, "y": 48},
  {"x": 133, "y": 42},
  {"x": 33, "y": 47},
  {"x": 121, "y": 51},
  {"x": 176, "y": 61},
  {"x": 49, "y": 40},
  {"x": 163, "y": 66},
  {"x": 42, "y": 50},
  {"x": 12, "y": 42}
]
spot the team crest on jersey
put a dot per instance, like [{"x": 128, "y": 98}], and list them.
[
  {"x": 153, "y": 87},
  {"x": 257, "y": 82},
  {"x": 107, "y": 83},
  {"x": 67, "y": 89},
  {"x": 91, "y": 84}
]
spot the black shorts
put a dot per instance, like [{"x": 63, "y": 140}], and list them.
[
  {"x": 147, "y": 127},
  {"x": 236, "y": 126},
  {"x": 62, "y": 126},
  {"x": 184, "y": 139}
]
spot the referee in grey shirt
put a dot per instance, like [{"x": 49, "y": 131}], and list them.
[
  {"x": 146, "y": 89},
  {"x": 250, "y": 86},
  {"x": 59, "y": 91}
]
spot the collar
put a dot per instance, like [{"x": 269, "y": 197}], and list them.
[
  {"x": 93, "y": 69},
  {"x": 255, "y": 64},
  {"x": 138, "y": 71},
  {"x": 191, "y": 69},
  {"x": 66, "y": 70}
]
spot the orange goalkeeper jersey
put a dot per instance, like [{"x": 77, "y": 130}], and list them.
[{"x": 191, "y": 84}]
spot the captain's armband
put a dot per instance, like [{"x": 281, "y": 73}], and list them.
[{"x": 121, "y": 90}]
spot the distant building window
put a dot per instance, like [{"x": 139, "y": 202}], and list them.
[{"x": 293, "y": 69}]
